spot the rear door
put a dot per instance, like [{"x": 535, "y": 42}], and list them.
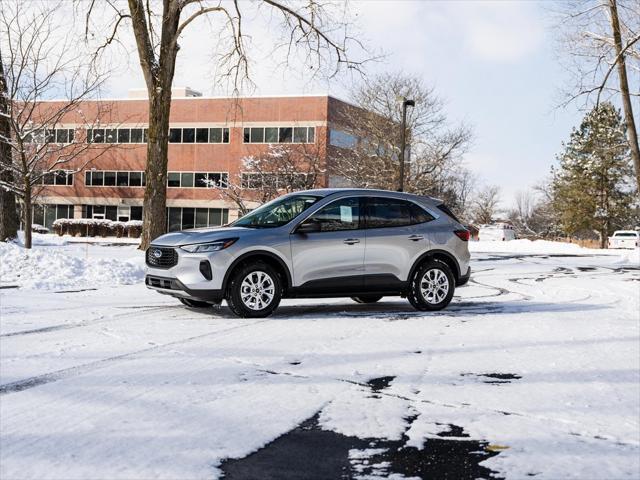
[
  {"x": 331, "y": 260},
  {"x": 394, "y": 240}
]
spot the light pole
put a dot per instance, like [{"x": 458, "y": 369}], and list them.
[{"x": 403, "y": 138}]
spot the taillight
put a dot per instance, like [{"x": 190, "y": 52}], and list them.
[{"x": 463, "y": 235}]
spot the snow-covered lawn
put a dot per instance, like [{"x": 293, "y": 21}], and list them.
[{"x": 537, "y": 359}]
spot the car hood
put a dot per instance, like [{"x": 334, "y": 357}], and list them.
[{"x": 199, "y": 235}]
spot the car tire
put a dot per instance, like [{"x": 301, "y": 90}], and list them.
[
  {"x": 194, "y": 303},
  {"x": 254, "y": 291},
  {"x": 432, "y": 286},
  {"x": 366, "y": 298}
]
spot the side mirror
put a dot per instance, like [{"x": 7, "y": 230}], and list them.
[{"x": 308, "y": 226}]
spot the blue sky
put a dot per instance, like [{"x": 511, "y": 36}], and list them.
[{"x": 495, "y": 63}]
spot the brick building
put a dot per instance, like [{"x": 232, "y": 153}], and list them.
[{"x": 209, "y": 138}]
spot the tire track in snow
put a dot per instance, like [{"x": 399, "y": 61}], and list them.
[{"x": 74, "y": 371}]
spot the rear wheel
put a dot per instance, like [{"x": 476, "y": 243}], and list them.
[
  {"x": 366, "y": 298},
  {"x": 255, "y": 290},
  {"x": 432, "y": 286},
  {"x": 194, "y": 303}
]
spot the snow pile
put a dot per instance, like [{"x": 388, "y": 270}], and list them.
[
  {"x": 44, "y": 239},
  {"x": 535, "y": 247},
  {"x": 631, "y": 256},
  {"x": 47, "y": 269}
]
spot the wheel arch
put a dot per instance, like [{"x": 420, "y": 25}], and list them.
[
  {"x": 269, "y": 257},
  {"x": 440, "y": 255}
]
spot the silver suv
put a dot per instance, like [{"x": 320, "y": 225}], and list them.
[{"x": 356, "y": 243}]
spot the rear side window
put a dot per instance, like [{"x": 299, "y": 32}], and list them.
[
  {"x": 391, "y": 212},
  {"x": 443, "y": 208}
]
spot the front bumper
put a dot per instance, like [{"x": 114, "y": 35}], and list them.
[{"x": 175, "y": 288}]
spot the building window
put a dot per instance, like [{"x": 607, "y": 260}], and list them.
[
  {"x": 51, "y": 135},
  {"x": 341, "y": 139},
  {"x": 279, "y": 135},
  {"x": 179, "y": 218},
  {"x": 57, "y": 177},
  {"x": 297, "y": 181},
  {"x": 97, "y": 178},
  {"x": 47, "y": 214},
  {"x": 116, "y": 135},
  {"x": 197, "y": 179}
]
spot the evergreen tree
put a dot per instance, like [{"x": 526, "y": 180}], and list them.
[{"x": 593, "y": 185}]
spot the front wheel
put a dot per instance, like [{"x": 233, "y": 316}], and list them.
[
  {"x": 255, "y": 291},
  {"x": 432, "y": 286},
  {"x": 366, "y": 298}
]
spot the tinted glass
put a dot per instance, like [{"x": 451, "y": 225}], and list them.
[
  {"x": 188, "y": 135},
  {"x": 202, "y": 135},
  {"x": 186, "y": 180},
  {"x": 271, "y": 135},
  {"x": 202, "y": 217},
  {"x": 286, "y": 135},
  {"x": 136, "y": 213},
  {"x": 257, "y": 135},
  {"x": 110, "y": 179},
  {"x": 175, "y": 135},
  {"x": 247, "y": 135},
  {"x": 122, "y": 179},
  {"x": 97, "y": 135},
  {"x": 173, "y": 179},
  {"x": 87, "y": 178},
  {"x": 124, "y": 135},
  {"x": 201, "y": 180},
  {"x": 135, "y": 179},
  {"x": 215, "y": 135},
  {"x": 111, "y": 135},
  {"x": 225, "y": 135},
  {"x": 188, "y": 218},
  {"x": 388, "y": 212},
  {"x": 300, "y": 135},
  {"x": 136, "y": 135},
  {"x": 62, "y": 135},
  {"x": 340, "y": 215},
  {"x": 97, "y": 178},
  {"x": 312, "y": 135},
  {"x": 419, "y": 215}
]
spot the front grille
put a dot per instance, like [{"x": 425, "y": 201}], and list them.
[{"x": 160, "y": 257}]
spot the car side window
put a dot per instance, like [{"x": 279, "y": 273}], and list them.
[
  {"x": 391, "y": 212},
  {"x": 343, "y": 214}
]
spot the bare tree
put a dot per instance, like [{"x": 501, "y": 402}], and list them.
[
  {"x": 281, "y": 169},
  {"x": 311, "y": 28},
  {"x": 372, "y": 132},
  {"x": 8, "y": 208},
  {"x": 485, "y": 205},
  {"x": 602, "y": 38},
  {"x": 37, "y": 65}
]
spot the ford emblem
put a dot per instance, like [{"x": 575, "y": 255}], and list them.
[{"x": 156, "y": 252}]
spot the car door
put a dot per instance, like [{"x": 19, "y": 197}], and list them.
[
  {"x": 331, "y": 259},
  {"x": 395, "y": 240}
]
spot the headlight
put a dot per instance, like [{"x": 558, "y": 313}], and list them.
[{"x": 210, "y": 246}]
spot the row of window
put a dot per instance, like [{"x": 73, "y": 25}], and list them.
[
  {"x": 51, "y": 135},
  {"x": 117, "y": 135},
  {"x": 180, "y": 218},
  {"x": 297, "y": 181},
  {"x": 345, "y": 214},
  {"x": 279, "y": 135},
  {"x": 198, "y": 135},
  {"x": 121, "y": 213},
  {"x": 101, "y": 178},
  {"x": 197, "y": 179},
  {"x": 57, "y": 177},
  {"x": 47, "y": 214}
]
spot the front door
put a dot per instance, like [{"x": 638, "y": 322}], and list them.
[{"x": 331, "y": 260}]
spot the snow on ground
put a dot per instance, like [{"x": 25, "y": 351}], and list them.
[
  {"x": 540, "y": 354},
  {"x": 57, "y": 266}
]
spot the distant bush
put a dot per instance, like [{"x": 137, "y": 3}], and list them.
[{"x": 91, "y": 227}]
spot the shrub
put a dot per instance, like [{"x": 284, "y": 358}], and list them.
[{"x": 91, "y": 227}]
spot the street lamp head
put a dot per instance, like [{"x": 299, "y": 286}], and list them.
[{"x": 410, "y": 103}]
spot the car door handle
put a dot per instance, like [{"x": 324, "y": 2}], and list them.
[
  {"x": 351, "y": 241},
  {"x": 415, "y": 238}
]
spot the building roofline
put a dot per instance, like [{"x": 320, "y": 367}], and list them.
[{"x": 215, "y": 97}]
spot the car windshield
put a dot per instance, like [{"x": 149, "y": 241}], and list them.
[{"x": 276, "y": 213}]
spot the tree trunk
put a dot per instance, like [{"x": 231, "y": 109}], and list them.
[
  {"x": 8, "y": 209},
  {"x": 632, "y": 132},
  {"x": 27, "y": 213},
  {"x": 155, "y": 193}
]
